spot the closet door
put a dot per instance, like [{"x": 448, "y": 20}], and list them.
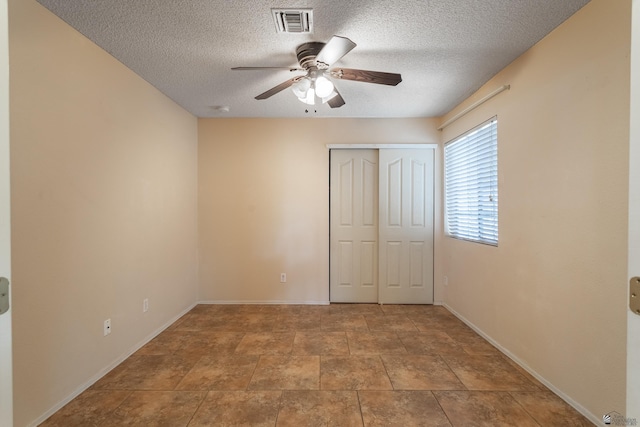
[
  {"x": 354, "y": 226},
  {"x": 406, "y": 226}
]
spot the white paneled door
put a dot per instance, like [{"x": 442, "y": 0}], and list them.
[
  {"x": 382, "y": 226},
  {"x": 354, "y": 226},
  {"x": 406, "y": 226},
  {"x": 6, "y": 406}
]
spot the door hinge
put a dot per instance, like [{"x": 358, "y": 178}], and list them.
[
  {"x": 634, "y": 295},
  {"x": 4, "y": 295}
]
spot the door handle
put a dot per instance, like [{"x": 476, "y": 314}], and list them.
[
  {"x": 634, "y": 295},
  {"x": 4, "y": 295}
]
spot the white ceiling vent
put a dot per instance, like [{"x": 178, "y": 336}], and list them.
[{"x": 293, "y": 20}]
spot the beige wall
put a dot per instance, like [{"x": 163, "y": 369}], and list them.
[
  {"x": 264, "y": 201},
  {"x": 554, "y": 292},
  {"x": 104, "y": 187}
]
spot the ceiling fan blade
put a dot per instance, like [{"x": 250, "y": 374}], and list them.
[
  {"x": 335, "y": 49},
  {"x": 266, "y": 68},
  {"x": 337, "y": 101},
  {"x": 282, "y": 86},
  {"x": 378, "y": 77}
]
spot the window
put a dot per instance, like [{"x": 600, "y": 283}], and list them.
[{"x": 471, "y": 184}]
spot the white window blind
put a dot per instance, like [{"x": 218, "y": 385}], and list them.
[{"x": 471, "y": 184}]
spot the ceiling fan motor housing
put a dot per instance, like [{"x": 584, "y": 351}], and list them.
[{"x": 307, "y": 53}]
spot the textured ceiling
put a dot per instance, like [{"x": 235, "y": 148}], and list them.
[{"x": 444, "y": 49}]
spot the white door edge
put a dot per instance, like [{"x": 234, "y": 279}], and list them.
[
  {"x": 633, "y": 320},
  {"x": 6, "y": 373}
]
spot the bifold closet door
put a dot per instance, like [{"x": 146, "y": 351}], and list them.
[
  {"x": 354, "y": 226},
  {"x": 405, "y": 237}
]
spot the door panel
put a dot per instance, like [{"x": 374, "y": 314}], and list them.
[
  {"x": 346, "y": 193},
  {"x": 406, "y": 226},
  {"x": 369, "y": 194},
  {"x": 393, "y": 204},
  {"x": 392, "y": 264},
  {"x": 418, "y": 203},
  {"x": 417, "y": 249},
  {"x": 354, "y": 226},
  {"x": 345, "y": 263},
  {"x": 368, "y": 263}
]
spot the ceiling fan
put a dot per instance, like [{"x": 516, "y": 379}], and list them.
[{"x": 315, "y": 86}]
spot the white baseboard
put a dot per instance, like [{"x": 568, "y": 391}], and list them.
[
  {"x": 578, "y": 407},
  {"x": 108, "y": 368},
  {"x": 262, "y": 302}
]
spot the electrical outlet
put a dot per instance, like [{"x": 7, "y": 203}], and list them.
[
  {"x": 107, "y": 327},
  {"x": 446, "y": 281},
  {"x": 145, "y": 305},
  {"x": 283, "y": 277}
]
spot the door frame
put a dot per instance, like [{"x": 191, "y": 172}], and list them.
[{"x": 436, "y": 202}]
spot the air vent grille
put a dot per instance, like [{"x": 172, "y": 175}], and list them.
[{"x": 293, "y": 20}]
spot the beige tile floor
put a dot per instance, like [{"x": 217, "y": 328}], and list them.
[{"x": 336, "y": 365}]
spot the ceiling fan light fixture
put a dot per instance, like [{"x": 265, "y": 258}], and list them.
[
  {"x": 301, "y": 87},
  {"x": 304, "y": 91},
  {"x": 323, "y": 87},
  {"x": 308, "y": 88},
  {"x": 310, "y": 97}
]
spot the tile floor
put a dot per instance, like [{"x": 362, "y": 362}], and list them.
[{"x": 335, "y": 365}]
